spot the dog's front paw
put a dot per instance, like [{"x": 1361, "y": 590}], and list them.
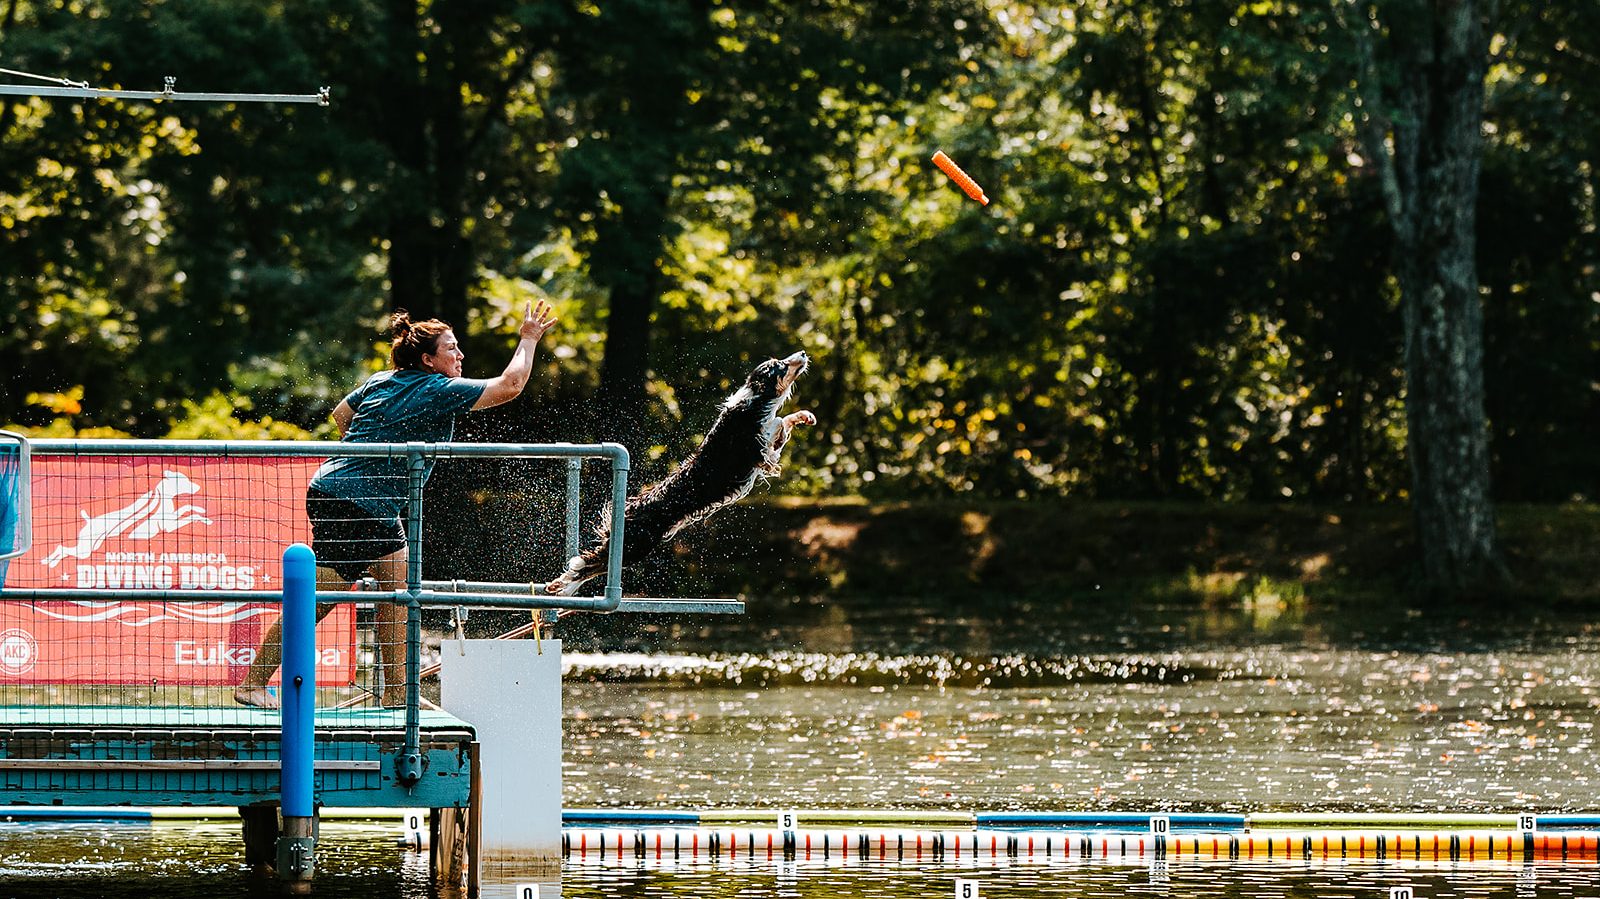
[{"x": 803, "y": 417}]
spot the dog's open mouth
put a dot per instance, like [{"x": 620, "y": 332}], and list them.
[{"x": 795, "y": 366}]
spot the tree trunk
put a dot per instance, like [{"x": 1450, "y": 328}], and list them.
[
  {"x": 626, "y": 258},
  {"x": 1430, "y": 182},
  {"x": 1449, "y": 447},
  {"x": 620, "y": 403},
  {"x": 453, "y": 257},
  {"x": 410, "y": 262}
]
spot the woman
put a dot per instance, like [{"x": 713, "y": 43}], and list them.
[{"x": 356, "y": 503}]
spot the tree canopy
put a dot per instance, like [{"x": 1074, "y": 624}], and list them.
[{"x": 1186, "y": 283}]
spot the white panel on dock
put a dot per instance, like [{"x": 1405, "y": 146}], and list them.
[{"x": 510, "y": 692}]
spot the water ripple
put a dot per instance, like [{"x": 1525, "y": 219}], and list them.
[{"x": 871, "y": 669}]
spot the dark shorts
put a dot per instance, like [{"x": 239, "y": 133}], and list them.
[{"x": 348, "y": 538}]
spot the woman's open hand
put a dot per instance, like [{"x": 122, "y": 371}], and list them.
[{"x": 537, "y": 320}]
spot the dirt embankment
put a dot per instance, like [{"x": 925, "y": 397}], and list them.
[{"x": 844, "y": 548}]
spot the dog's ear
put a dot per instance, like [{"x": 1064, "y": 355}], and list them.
[{"x": 764, "y": 375}]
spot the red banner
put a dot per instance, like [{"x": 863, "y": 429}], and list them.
[{"x": 131, "y": 522}]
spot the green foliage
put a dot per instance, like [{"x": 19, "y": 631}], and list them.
[
  {"x": 153, "y": 246},
  {"x": 217, "y": 418},
  {"x": 62, "y": 409},
  {"x": 63, "y": 427},
  {"x": 1182, "y": 288}
]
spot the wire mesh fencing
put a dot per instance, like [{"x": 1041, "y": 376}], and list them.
[{"x": 151, "y": 578}]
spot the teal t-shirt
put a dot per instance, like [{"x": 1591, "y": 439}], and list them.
[{"x": 394, "y": 407}]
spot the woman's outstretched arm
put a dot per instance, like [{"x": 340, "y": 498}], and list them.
[{"x": 508, "y": 385}]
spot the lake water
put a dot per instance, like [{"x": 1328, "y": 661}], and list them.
[{"x": 993, "y": 705}]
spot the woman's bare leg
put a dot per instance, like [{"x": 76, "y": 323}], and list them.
[
  {"x": 390, "y": 572},
  {"x": 253, "y": 689}
]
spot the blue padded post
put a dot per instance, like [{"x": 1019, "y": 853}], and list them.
[
  {"x": 299, "y": 687},
  {"x": 297, "y": 705}
]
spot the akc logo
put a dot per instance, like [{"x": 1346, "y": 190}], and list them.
[{"x": 18, "y": 652}]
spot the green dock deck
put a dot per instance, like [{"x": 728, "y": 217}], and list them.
[{"x": 189, "y": 756}]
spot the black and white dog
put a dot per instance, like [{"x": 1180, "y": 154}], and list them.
[{"x": 743, "y": 445}]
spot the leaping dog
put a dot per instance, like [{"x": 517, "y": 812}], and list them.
[{"x": 743, "y": 445}]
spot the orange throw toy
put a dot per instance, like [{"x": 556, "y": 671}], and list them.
[{"x": 959, "y": 177}]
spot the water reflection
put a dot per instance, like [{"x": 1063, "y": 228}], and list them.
[
  {"x": 191, "y": 861},
  {"x": 988, "y": 625},
  {"x": 1355, "y": 880},
  {"x": 1267, "y": 728},
  {"x": 1114, "y": 706},
  {"x": 988, "y": 705}
]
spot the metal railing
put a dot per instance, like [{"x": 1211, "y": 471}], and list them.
[
  {"x": 417, "y": 593},
  {"x": 16, "y": 517},
  {"x": 53, "y": 466},
  {"x": 415, "y": 456}
]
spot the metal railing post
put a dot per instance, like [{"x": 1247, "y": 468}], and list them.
[
  {"x": 409, "y": 762},
  {"x": 620, "y": 464},
  {"x": 297, "y": 708},
  {"x": 547, "y": 617},
  {"x": 574, "y": 503},
  {"x": 16, "y": 517}
]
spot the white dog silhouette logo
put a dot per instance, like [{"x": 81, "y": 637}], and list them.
[{"x": 156, "y": 512}]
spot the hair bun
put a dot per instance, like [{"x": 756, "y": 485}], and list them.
[{"x": 412, "y": 339}]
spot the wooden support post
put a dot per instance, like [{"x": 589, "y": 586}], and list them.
[
  {"x": 474, "y": 820},
  {"x": 436, "y": 852},
  {"x": 260, "y": 826},
  {"x": 296, "y": 852},
  {"x": 447, "y": 854},
  {"x": 453, "y": 850}
]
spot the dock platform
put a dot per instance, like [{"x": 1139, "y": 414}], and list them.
[{"x": 160, "y": 756}]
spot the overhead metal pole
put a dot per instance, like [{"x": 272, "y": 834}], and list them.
[{"x": 320, "y": 98}]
